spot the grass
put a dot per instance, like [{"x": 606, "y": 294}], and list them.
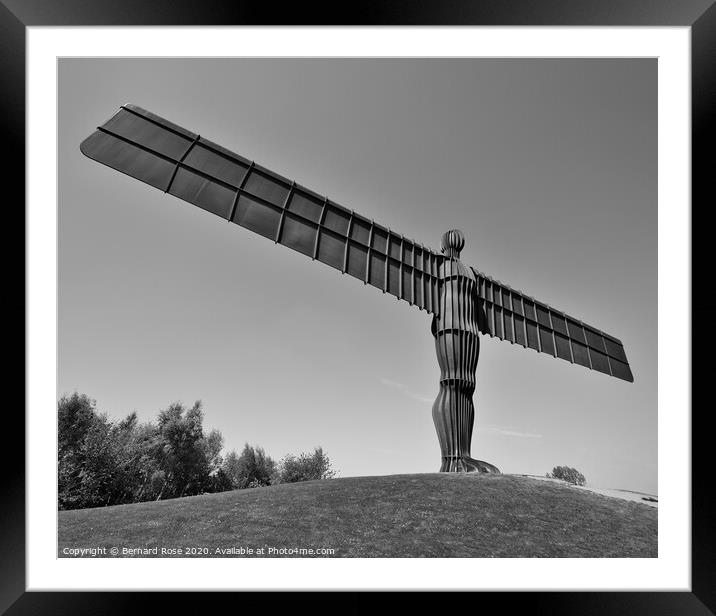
[{"x": 429, "y": 515}]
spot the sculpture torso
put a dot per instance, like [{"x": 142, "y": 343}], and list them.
[
  {"x": 457, "y": 298},
  {"x": 457, "y": 345},
  {"x": 455, "y": 329}
]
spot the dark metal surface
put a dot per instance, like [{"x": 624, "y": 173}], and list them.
[
  {"x": 464, "y": 302},
  {"x": 166, "y": 156},
  {"x": 457, "y": 344},
  {"x": 518, "y": 318},
  {"x": 186, "y": 165}
]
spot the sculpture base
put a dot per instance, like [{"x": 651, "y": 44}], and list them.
[{"x": 465, "y": 464}]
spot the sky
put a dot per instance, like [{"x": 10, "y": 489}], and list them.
[{"x": 548, "y": 166}]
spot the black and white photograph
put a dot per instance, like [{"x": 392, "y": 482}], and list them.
[
  {"x": 357, "y": 308},
  {"x": 391, "y": 297}
]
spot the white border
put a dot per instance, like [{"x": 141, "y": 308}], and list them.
[{"x": 670, "y": 571}]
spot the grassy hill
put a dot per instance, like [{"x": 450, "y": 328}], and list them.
[{"x": 429, "y": 515}]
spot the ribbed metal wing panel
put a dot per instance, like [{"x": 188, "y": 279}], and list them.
[
  {"x": 511, "y": 315},
  {"x": 186, "y": 165}
]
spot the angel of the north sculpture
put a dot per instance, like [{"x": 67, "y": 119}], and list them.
[{"x": 463, "y": 301}]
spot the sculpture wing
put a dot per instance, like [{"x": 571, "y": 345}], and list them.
[
  {"x": 186, "y": 165},
  {"x": 510, "y": 315}
]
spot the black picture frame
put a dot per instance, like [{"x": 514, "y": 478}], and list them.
[{"x": 699, "y": 15}]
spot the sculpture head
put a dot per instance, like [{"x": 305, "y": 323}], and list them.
[{"x": 452, "y": 243}]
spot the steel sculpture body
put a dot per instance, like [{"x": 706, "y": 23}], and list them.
[
  {"x": 457, "y": 343},
  {"x": 464, "y": 302}
]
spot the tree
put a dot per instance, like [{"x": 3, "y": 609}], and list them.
[
  {"x": 76, "y": 417},
  {"x": 220, "y": 482},
  {"x": 568, "y": 474},
  {"x": 306, "y": 467},
  {"x": 139, "y": 445},
  {"x": 100, "y": 465},
  {"x": 231, "y": 469},
  {"x": 182, "y": 451},
  {"x": 106, "y": 462},
  {"x": 212, "y": 444},
  {"x": 252, "y": 468}
]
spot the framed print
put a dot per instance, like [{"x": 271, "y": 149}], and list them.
[{"x": 447, "y": 159}]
